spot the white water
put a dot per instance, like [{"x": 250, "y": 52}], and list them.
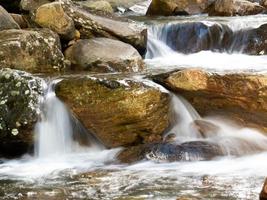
[{"x": 161, "y": 56}]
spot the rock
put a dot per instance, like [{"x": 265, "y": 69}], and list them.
[
  {"x": 263, "y": 194},
  {"x": 6, "y": 20},
  {"x": 36, "y": 51},
  {"x": 20, "y": 20},
  {"x": 233, "y": 8},
  {"x": 241, "y": 96},
  {"x": 31, "y": 5},
  {"x": 119, "y": 112},
  {"x": 192, "y": 37},
  {"x": 171, "y": 152},
  {"x": 104, "y": 55},
  {"x": 11, "y": 6},
  {"x": 97, "y": 26},
  {"x": 126, "y": 4},
  {"x": 205, "y": 128},
  {"x": 52, "y": 16},
  {"x": 177, "y": 7},
  {"x": 103, "y": 6},
  {"x": 263, "y": 3},
  {"x": 19, "y": 98}
]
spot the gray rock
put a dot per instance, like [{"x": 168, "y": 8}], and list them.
[
  {"x": 104, "y": 55},
  {"x": 6, "y": 20}
]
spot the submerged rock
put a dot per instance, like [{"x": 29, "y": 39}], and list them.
[
  {"x": 177, "y": 7},
  {"x": 20, "y": 93},
  {"x": 6, "y": 20},
  {"x": 36, "y": 51},
  {"x": 90, "y": 25},
  {"x": 119, "y": 112},
  {"x": 52, "y": 16},
  {"x": 171, "y": 152},
  {"x": 242, "y": 96},
  {"x": 104, "y": 55},
  {"x": 234, "y": 7}
]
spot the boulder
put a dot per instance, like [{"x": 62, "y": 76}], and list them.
[
  {"x": 177, "y": 7},
  {"x": 233, "y": 8},
  {"x": 119, "y": 112},
  {"x": 31, "y": 5},
  {"x": 205, "y": 128},
  {"x": 52, "y": 16},
  {"x": 263, "y": 3},
  {"x": 20, "y": 93},
  {"x": 21, "y": 20},
  {"x": 6, "y": 20},
  {"x": 36, "y": 51},
  {"x": 171, "y": 152},
  {"x": 104, "y": 55},
  {"x": 90, "y": 25},
  {"x": 263, "y": 194},
  {"x": 103, "y": 6},
  {"x": 242, "y": 96}
]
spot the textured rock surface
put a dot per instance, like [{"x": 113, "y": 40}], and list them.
[
  {"x": 90, "y": 25},
  {"x": 242, "y": 96},
  {"x": 30, "y": 5},
  {"x": 177, "y": 7},
  {"x": 19, "y": 98},
  {"x": 104, "y": 55},
  {"x": 37, "y": 51},
  {"x": 234, "y": 7},
  {"x": 101, "y": 5},
  {"x": 52, "y": 16},
  {"x": 119, "y": 112},
  {"x": 6, "y": 20}
]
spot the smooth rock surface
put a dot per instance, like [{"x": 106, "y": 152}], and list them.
[
  {"x": 6, "y": 20},
  {"x": 104, "y": 55},
  {"x": 241, "y": 96}
]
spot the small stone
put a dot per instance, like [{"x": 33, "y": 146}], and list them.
[
  {"x": 18, "y": 84},
  {"x": 15, "y": 132}
]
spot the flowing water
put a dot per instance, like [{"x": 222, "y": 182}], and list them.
[{"x": 62, "y": 168}]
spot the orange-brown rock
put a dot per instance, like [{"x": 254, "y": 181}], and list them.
[
  {"x": 119, "y": 112},
  {"x": 263, "y": 194},
  {"x": 242, "y": 96}
]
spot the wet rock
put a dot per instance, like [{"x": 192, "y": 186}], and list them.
[
  {"x": 6, "y": 20},
  {"x": 101, "y": 5},
  {"x": 171, "y": 152},
  {"x": 52, "y": 16},
  {"x": 19, "y": 97},
  {"x": 20, "y": 20},
  {"x": 242, "y": 96},
  {"x": 31, "y": 5},
  {"x": 90, "y": 25},
  {"x": 36, "y": 51},
  {"x": 263, "y": 3},
  {"x": 119, "y": 112},
  {"x": 193, "y": 37},
  {"x": 205, "y": 128},
  {"x": 104, "y": 55},
  {"x": 234, "y": 7},
  {"x": 177, "y": 7},
  {"x": 263, "y": 194}
]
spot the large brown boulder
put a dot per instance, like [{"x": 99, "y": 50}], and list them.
[
  {"x": 177, "y": 7},
  {"x": 234, "y": 7},
  {"x": 52, "y": 16},
  {"x": 6, "y": 20},
  {"x": 36, "y": 51},
  {"x": 90, "y": 25},
  {"x": 20, "y": 93},
  {"x": 119, "y": 112},
  {"x": 241, "y": 96},
  {"x": 104, "y": 55}
]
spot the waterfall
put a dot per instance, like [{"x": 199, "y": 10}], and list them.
[{"x": 57, "y": 129}]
